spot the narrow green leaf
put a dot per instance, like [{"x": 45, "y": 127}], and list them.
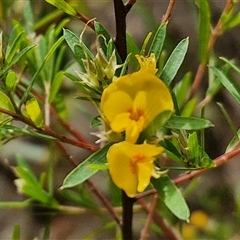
[
  {"x": 16, "y": 233},
  {"x": 11, "y": 80},
  {"x": 232, "y": 22},
  {"x": 34, "y": 112},
  {"x": 158, "y": 41},
  {"x": 28, "y": 18},
  {"x": 231, "y": 64},
  {"x": 133, "y": 49},
  {"x": 189, "y": 107},
  {"x": 228, "y": 119},
  {"x": 12, "y": 50},
  {"x": 15, "y": 59},
  {"x": 172, "y": 197},
  {"x": 56, "y": 84},
  {"x": 28, "y": 184},
  {"x": 5, "y": 102},
  {"x": 234, "y": 142},
  {"x": 187, "y": 123},
  {"x": 182, "y": 88},
  {"x": 204, "y": 29},
  {"x": 174, "y": 62},
  {"x": 83, "y": 171},
  {"x": 46, "y": 59},
  {"x": 154, "y": 126},
  {"x": 171, "y": 150},
  {"x": 70, "y": 38},
  {"x": 231, "y": 87},
  {"x": 96, "y": 122},
  {"x": 103, "y": 36},
  {"x": 64, "y": 6}
]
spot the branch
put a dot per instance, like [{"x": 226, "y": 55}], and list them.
[
  {"x": 121, "y": 12},
  {"x": 189, "y": 176},
  {"x": 217, "y": 31},
  {"x": 167, "y": 15},
  {"x": 48, "y": 131},
  {"x": 168, "y": 231},
  {"x": 85, "y": 20},
  {"x": 152, "y": 210}
]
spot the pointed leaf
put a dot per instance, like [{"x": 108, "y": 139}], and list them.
[
  {"x": 228, "y": 84},
  {"x": 84, "y": 171},
  {"x": 64, "y": 6},
  {"x": 103, "y": 36},
  {"x": 11, "y": 80},
  {"x": 174, "y": 62},
  {"x": 158, "y": 41},
  {"x": 172, "y": 197},
  {"x": 154, "y": 126},
  {"x": 34, "y": 112},
  {"x": 5, "y": 102},
  {"x": 187, "y": 123},
  {"x": 15, "y": 59},
  {"x": 204, "y": 29}
]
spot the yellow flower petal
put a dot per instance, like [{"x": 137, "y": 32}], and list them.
[
  {"x": 132, "y": 132},
  {"x": 131, "y": 166},
  {"x": 115, "y": 101},
  {"x": 141, "y": 94},
  {"x": 144, "y": 174},
  {"x": 120, "y": 169},
  {"x": 121, "y": 122},
  {"x": 147, "y": 64}
]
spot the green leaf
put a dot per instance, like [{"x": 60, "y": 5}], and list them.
[
  {"x": 189, "y": 107},
  {"x": 28, "y": 184},
  {"x": 145, "y": 43},
  {"x": 231, "y": 64},
  {"x": 12, "y": 49},
  {"x": 133, "y": 49},
  {"x": 34, "y": 112},
  {"x": 154, "y": 126},
  {"x": 232, "y": 88},
  {"x": 16, "y": 233},
  {"x": 64, "y": 6},
  {"x": 171, "y": 150},
  {"x": 158, "y": 41},
  {"x": 182, "y": 88},
  {"x": 56, "y": 84},
  {"x": 96, "y": 122},
  {"x": 11, "y": 79},
  {"x": 46, "y": 59},
  {"x": 174, "y": 62},
  {"x": 70, "y": 38},
  {"x": 28, "y": 18},
  {"x": 187, "y": 123},
  {"x": 15, "y": 59},
  {"x": 83, "y": 171},
  {"x": 234, "y": 142},
  {"x": 193, "y": 149},
  {"x": 103, "y": 36},
  {"x": 5, "y": 102},
  {"x": 172, "y": 197},
  {"x": 204, "y": 29}
]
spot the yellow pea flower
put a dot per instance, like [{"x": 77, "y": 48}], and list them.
[
  {"x": 131, "y": 166},
  {"x": 132, "y": 101}
]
